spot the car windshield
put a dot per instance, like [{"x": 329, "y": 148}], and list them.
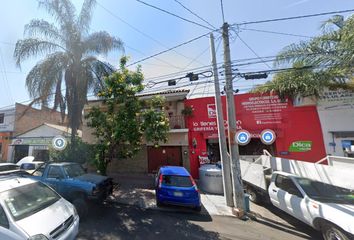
[
  {"x": 74, "y": 170},
  {"x": 28, "y": 199},
  {"x": 176, "y": 181},
  {"x": 325, "y": 192}
]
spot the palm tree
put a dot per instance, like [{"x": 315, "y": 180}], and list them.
[
  {"x": 69, "y": 61},
  {"x": 330, "y": 56}
]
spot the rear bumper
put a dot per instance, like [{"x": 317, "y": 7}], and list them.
[{"x": 187, "y": 202}]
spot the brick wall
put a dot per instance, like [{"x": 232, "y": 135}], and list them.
[
  {"x": 137, "y": 164},
  {"x": 28, "y": 118}
]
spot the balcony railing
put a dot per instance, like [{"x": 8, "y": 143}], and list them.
[{"x": 177, "y": 122}]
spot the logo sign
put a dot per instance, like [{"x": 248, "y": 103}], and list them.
[
  {"x": 59, "y": 143},
  {"x": 268, "y": 136},
  {"x": 300, "y": 146},
  {"x": 211, "y": 110},
  {"x": 243, "y": 137}
]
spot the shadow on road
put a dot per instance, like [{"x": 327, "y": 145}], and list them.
[
  {"x": 116, "y": 221},
  {"x": 290, "y": 225}
]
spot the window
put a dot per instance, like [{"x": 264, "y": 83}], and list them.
[
  {"x": 2, "y": 118},
  {"x": 28, "y": 199},
  {"x": 287, "y": 185},
  {"x": 176, "y": 181},
  {"x": 55, "y": 172},
  {"x": 3, "y": 219}
]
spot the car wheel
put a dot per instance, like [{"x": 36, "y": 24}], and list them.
[
  {"x": 158, "y": 203},
  {"x": 81, "y": 207},
  {"x": 253, "y": 195},
  {"x": 332, "y": 232}
]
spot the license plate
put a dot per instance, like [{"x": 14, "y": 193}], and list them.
[{"x": 177, "y": 194}]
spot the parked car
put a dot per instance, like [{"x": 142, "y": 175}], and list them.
[
  {"x": 175, "y": 186},
  {"x": 72, "y": 182},
  {"x": 325, "y": 207},
  {"x": 11, "y": 168},
  {"x": 31, "y": 210},
  {"x": 31, "y": 167}
]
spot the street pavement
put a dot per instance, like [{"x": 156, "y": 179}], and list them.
[{"x": 131, "y": 213}]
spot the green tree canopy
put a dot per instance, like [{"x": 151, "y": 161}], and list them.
[
  {"x": 323, "y": 62},
  {"x": 69, "y": 61},
  {"x": 123, "y": 119}
]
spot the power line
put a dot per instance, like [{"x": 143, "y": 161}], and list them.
[
  {"x": 175, "y": 15},
  {"x": 254, "y": 52},
  {"x": 274, "y": 32},
  {"x": 170, "y": 49},
  {"x": 294, "y": 17},
  {"x": 5, "y": 76},
  {"x": 195, "y": 14},
  {"x": 137, "y": 30}
]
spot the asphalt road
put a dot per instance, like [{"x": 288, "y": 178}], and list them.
[{"x": 114, "y": 221}]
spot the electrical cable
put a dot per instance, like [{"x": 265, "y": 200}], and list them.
[
  {"x": 175, "y": 15},
  {"x": 254, "y": 52},
  {"x": 274, "y": 32},
  {"x": 137, "y": 30},
  {"x": 195, "y": 14},
  {"x": 294, "y": 17}
]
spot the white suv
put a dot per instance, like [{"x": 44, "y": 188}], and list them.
[{"x": 31, "y": 210}]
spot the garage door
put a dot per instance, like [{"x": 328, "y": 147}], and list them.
[{"x": 162, "y": 156}]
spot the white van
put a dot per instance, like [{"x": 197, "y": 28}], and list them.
[{"x": 33, "y": 211}]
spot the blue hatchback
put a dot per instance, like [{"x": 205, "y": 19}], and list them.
[{"x": 175, "y": 186}]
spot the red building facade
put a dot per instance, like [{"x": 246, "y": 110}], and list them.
[{"x": 297, "y": 129}]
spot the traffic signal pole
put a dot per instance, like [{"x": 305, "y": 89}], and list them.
[
  {"x": 238, "y": 196},
  {"x": 225, "y": 160}
]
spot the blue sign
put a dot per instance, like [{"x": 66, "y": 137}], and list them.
[
  {"x": 346, "y": 143},
  {"x": 268, "y": 136},
  {"x": 243, "y": 137}
]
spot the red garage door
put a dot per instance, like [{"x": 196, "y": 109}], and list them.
[{"x": 162, "y": 156}]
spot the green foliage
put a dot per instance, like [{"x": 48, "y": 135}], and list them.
[
  {"x": 79, "y": 152},
  {"x": 187, "y": 111},
  {"x": 329, "y": 55},
  {"x": 123, "y": 119}
]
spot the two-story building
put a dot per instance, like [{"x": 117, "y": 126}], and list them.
[{"x": 173, "y": 152}]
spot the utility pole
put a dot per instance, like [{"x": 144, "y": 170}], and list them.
[
  {"x": 225, "y": 160},
  {"x": 231, "y": 116}
]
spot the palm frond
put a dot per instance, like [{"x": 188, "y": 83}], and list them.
[
  {"x": 336, "y": 20},
  {"x": 33, "y": 47},
  {"x": 85, "y": 16},
  {"x": 44, "y": 76},
  {"x": 39, "y": 28},
  {"x": 101, "y": 42},
  {"x": 62, "y": 10},
  {"x": 99, "y": 70}
]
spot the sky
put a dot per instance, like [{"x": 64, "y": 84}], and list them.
[{"x": 146, "y": 31}]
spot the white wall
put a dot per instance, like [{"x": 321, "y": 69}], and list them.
[
  {"x": 336, "y": 113},
  {"x": 9, "y": 120}
]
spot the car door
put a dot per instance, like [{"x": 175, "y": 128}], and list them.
[
  {"x": 54, "y": 176},
  {"x": 285, "y": 195}
]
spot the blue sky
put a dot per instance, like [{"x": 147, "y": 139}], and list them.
[{"x": 146, "y": 31}]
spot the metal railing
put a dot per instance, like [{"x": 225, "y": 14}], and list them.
[{"x": 177, "y": 122}]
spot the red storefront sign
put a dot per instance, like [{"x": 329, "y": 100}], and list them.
[{"x": 256, "y": 113}]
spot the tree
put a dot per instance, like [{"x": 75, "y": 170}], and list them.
[
  {"x": 80, "y": 152},
  {"x": 69, "y": 61},
  {"x": 323, "y": 62},
  {"x": 123, "y": 119}
]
